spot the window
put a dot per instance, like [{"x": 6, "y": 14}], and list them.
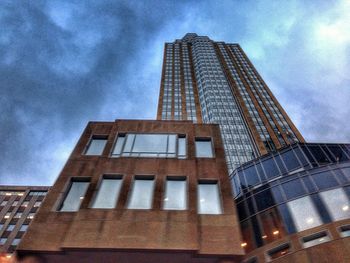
[
  {"x": 324, "y": 180},
  {"x": 175, "y": 193},
  {"x": 315, "y": 239},
  {"x": 337, "y": 203},
  {"x": 10, "y": 227},
  {"x": 23, "y": 228},
  {"x": 37, "y": 204},
  {"x": 141, "y": 195},
  {"x": 278, "y": 252},
  {"x": 30, "y": 215},
  {"x": 150, "y": 145},
  {"x": 3, "y": 240},
  {"x": 209, "y": 197},
  {"x": 108, "y": 192},
  {"x": 304, "y": 213},
  {"x": 204, "y": 148},
  {"x": 1, "y": 225},
  {"x": 74, "y": 196},
  {"x": 25, "y": 204},
  {"x": 37, "y": 193},
  {"x": 18, "y": 215},
  {"x": 3, "y": 203},
  {"x": 96, "y": 145},
  {"x": 344, "y": 231},
  {"x": 16, "y": 241},
  {"x": 14, "y": 203}
]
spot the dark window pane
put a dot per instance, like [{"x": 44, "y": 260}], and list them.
[
  {"x": 330, "y": 156},
  {"x": 321, "y": 208},
  {"x": 324, "y": 180},
  {"x": 256, "y": 231},
  {"x": 346, "y": 149},
  {"x": 250, "y": 204},
  {"x": 301, "y": 156},
  {"x": 308, "y": 155},
  {"x": 280, "y": 164},
  {"x": 338, "y": 153},
  {"x": 241, "y": 179},
  {"x": 251, "y": 176},
  {"x": 277, "y": 194},
  {"x": 235, "y": 185},
  {"x": 242, "y": 212},
  {"x": 293, "y": 189},
  {"x": 319, "y": 155},
  {"x": 309, "y": 184},
  {"x": 264, "y": 200},
  {"x": 287, "y": 218},
  {"x": 270, "y": 168},
  {"x": 290, "y": 160},
  {"x": 260, "y": 171}
]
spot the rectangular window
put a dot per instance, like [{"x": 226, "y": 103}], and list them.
[
  {"x": 204, "y": 148},
  {"x": 30, "y": 215},
  {"x": 10, "y": 227},
  {"x": 3, "y": 240},
  {"x": 141, "y": 195},
  {"x": 278, "y": 252},
  {"x": 96, "y": 145},
  {"x": 18, "y": 215},
  {"x": 209, "y": 197},
  {"x": 3, "y": 203},
  {"x": 175, "y": 193},
  {"x": 181, "y": 147},
  {"x": 315, "y": 239},
  {"x": 16, "y": 241},
  {"x": 304, "y": 213},
  {"x": 344, "y": 231},
  {"x": 74, "y": 196},
  {"x": 14, "y": 203},
  {"x": 23, "y": 228},
  {"x": 149, "y": 145},
  {"x": 108, "y": 192},
  {"x": 337, "y": 203},
  {"x": 37, "y": 204}
]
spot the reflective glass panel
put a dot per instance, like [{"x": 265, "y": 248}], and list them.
[
  {"x": 175, "y": 197},
  {"x": 75, "y": 196},
  {"x": 290, "y": 160},
  {"x": 324, "y": 180},
  {"x": 338, "y": 153},
  {"x": 304, "y": 213},
  {"x": 156, "y": 143},
  {"x": 315, "y": 239},
  {"x": 108, "y": 193},
  {"x": 319, "y": 155},
  {"x": 251, "y": 176},
  {"x": 141, "y": 195},
  {"x": 293, "y": 189},
  {"x": 270, "y": 168},
  {"x": 204, "y": 148},
  {"x": 337, "y": 203},
  {"x": 181, "y": 152},
  {"x": 209, "y": 198},
  {"x": 96, "y": 146},
  {"x": 119, "y": 145}
]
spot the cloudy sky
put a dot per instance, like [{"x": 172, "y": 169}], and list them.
[{"x": 64, "y": 63}]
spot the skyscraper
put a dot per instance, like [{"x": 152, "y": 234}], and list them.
[{"x": 214, "y": 82}]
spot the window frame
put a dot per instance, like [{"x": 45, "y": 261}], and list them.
[
  {"x": 67, "y": 189},
  {"x": 314, "y": 236},
  {"x": 107, "y": 176},
  {"x": 140, "y": 154},
  {"x": 141, "y": 177},
  {"x": 205, "y": 139},
  {"x": 213, "y": 182},
  {"x": 176, "y": 178},
  {"x": 95, "y": 137}
]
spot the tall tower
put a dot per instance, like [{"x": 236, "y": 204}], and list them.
[{"x": 214, "y": 82}]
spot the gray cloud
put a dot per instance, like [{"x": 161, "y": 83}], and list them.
[{"x": 63, "y": 63}]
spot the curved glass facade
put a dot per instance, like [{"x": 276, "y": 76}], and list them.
[{"x": 297, "y": 188}]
